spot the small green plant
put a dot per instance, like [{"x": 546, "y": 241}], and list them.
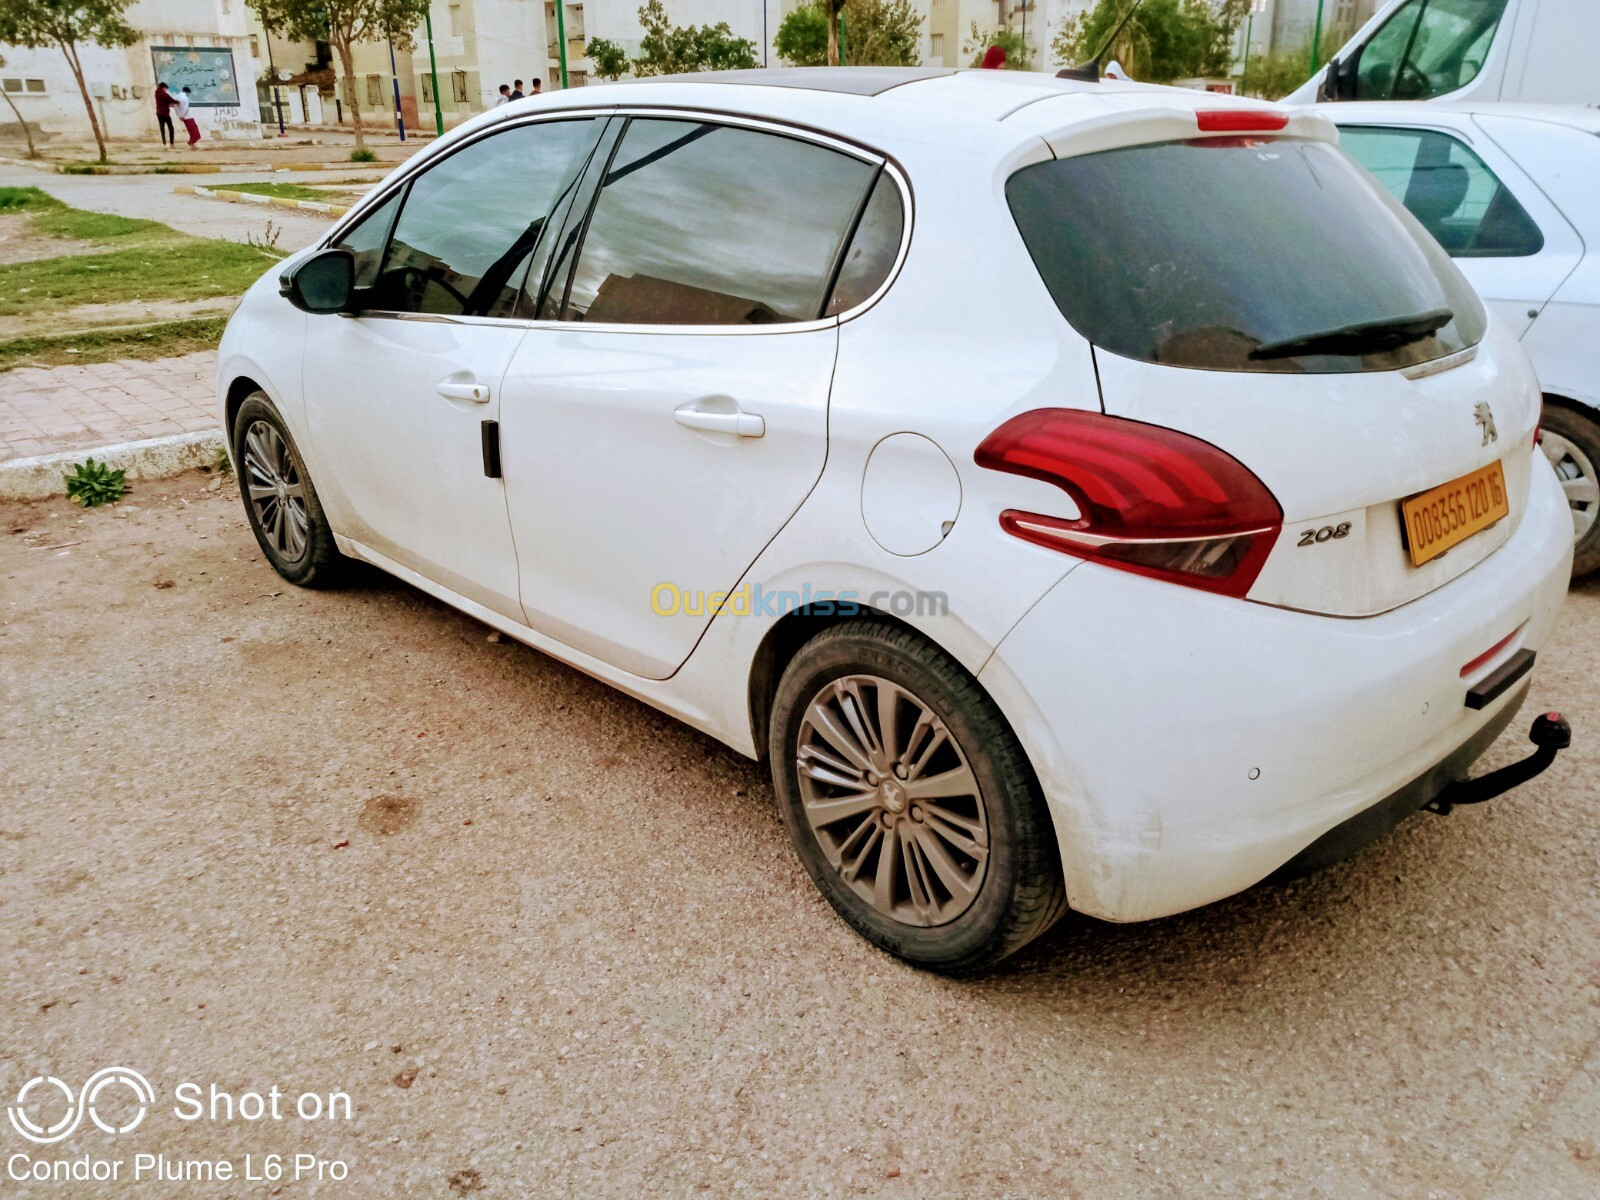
[
  {"x": 221, "y": 464},
  {"x": 362, "y": 154},
  {"x": 90, "y": 484}
]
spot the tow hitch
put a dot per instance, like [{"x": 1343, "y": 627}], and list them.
[{"x": 1550, "y": 735}]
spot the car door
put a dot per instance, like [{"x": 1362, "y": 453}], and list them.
[
  {"x": 1505, "y": 235},
  {"x": 402, "y": 398},
  {"x": 669, "y": 414}
]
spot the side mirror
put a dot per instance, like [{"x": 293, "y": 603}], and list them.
[{"x": 323, "y": 283}]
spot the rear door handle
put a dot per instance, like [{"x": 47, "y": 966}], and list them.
[
  {"x": 455, "y": 389},
  {"x": 742, "y": 423}
]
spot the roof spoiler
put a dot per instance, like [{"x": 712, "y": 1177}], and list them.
[{"x": 1089, "y": 72}]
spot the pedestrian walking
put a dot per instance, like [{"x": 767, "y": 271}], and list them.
[
  {"x": 189, "y": 123},
  {"x": 505, "y": 95},
  {"x": 516, "y": 90},
  {"x": 164, "y": 104}
]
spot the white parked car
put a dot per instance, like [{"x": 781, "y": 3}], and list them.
[
  {"x": 929, "y": 435},
  {"x": 1513, "y": 193}
]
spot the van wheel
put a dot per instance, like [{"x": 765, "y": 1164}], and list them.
[
  {"x": 1571, "y": 441},
  {"x": 279, "y": 498},
  {"x": 910, "y": 801}
]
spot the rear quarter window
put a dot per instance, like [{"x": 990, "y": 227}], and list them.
[{"x": 1227, "y": 253}]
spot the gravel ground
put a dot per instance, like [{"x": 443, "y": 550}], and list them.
[{"x": 552, "y": 943}]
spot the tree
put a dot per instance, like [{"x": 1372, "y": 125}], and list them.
[
  {"x": 1276, "y": 73},
  {"x": 66, "y": 24},
  {"x": 1163, "y": 41},
  {"x": 26, "y": 132},
  {"x": 878, "y": 33},
  {"x": 1018, "y": 58},
  {"x": 342, "y": 24},
  {"x": 668, "y": 49},
  {"x": 606, "y": 58}
]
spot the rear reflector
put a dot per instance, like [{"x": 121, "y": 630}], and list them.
[
  {"x": 1240, "y": 120},
  {"x": 1488, "y": 655},
  {"x": 1150, "y": 500}
]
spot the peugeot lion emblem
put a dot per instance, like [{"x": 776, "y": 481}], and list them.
[{"x": 1484, "y": 416}]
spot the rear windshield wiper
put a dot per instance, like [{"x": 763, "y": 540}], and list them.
[{"x": 1370, "y": 337}]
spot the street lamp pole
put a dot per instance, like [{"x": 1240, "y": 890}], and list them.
[
  {"x": 433, "y": 69},
  {"x": 561, "y": 38},
  {"x": 1316, "y": 39},
  {"x": 394, "y": 74}
]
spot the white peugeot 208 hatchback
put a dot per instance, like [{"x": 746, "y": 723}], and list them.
[{"x": 1084, "y": 495}]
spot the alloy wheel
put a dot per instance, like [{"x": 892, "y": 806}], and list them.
[
  {"x": 892, "y": 800},
  {"x": 275, "y": 490},
  {"x": 1578, "y": 477}
]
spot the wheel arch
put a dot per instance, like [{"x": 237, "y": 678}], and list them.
[
  {"x": 241, "y": 387},
  {"x": 783, "y": 641}
]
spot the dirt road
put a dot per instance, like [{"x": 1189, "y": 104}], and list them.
[{"x": 551, "y": 943}]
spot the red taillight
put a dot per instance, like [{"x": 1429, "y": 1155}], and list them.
[
  {"x": 1151, "y": 500},
  {"x": 1240, "y": 120}
]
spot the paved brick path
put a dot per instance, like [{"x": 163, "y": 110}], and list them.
[{"x": 81, "y": 408}]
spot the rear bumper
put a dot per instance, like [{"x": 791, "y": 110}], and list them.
[{"x": 1190, "y": 745}]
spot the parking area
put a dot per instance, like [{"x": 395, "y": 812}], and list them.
[{"x": 552, "y": 943}]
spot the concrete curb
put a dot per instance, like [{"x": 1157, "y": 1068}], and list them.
[
  {"x": 40, "y": 477},
  {"x": 316, "y": 206},
  {"x": 230, "y": 168}
]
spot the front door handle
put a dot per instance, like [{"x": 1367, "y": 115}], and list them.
[
  {"x": 742, "y": 423},
  {"x": 455, "y": 389}
]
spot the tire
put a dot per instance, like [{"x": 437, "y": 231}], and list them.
[
  {"x": 941, "y": 721},
  {"x": 1570, "y": 439},
  {"x": 290, "y": 527}
]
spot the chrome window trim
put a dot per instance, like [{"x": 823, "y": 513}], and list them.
[{"x": 666, "y": 112}]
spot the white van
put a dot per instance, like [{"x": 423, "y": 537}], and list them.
[{"x": 1535, "y": 51}]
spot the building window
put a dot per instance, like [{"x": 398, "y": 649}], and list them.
[
  {"x": 577, "y": 78},
  {"x": 255, "y": 46},
  {"x": 455, "y": 20},
  {"x": 374, "y": 89},
  {"x": 458, "y": 86},
  {"x": 18, "y": 87},
  {"x": 936, "y": 48},
  {"x": 427, "y": 88}
]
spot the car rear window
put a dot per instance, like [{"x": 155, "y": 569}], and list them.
[{"x": 1228, "y": 254}]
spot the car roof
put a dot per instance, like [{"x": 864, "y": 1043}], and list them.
[
  {"x": 1418, "y": 112},
  {"x": 966, "y": 105}
]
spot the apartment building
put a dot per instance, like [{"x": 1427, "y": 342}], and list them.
[{"x": 202, "y": 43}]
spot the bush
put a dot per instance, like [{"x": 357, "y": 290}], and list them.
[{"x": 362, "y": 154}]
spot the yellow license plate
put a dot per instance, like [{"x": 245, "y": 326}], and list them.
[{"x": 1449, "y": 514}]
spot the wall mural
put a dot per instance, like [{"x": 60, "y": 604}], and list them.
[{"x": 207, "y": 71}]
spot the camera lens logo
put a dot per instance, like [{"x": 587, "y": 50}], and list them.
[{"x": 80, "y": 1106}]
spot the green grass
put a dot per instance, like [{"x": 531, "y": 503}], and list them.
[
  {"x": 143, "y": 260},
  {"x": 284, "y": 191},
  {"x": 26, "y": 199},
  {"x": 55, "y": 219},
  {"x": 147, "y": 342}
]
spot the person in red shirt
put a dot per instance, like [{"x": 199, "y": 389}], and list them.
[{"x": 164, "y": 106}]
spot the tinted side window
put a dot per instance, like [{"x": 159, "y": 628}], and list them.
[
  {"x": 702, "y": 224},
  {"x": 367, "y": 238},
  {"x": 1428, "y": 48},
  {"x": 471, "y": 223},
  {"x": 1449, "y": 189},
  {"x": 873, "y": 249}
]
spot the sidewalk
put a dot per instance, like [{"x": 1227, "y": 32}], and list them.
[{"x": 83, "y": 408}]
